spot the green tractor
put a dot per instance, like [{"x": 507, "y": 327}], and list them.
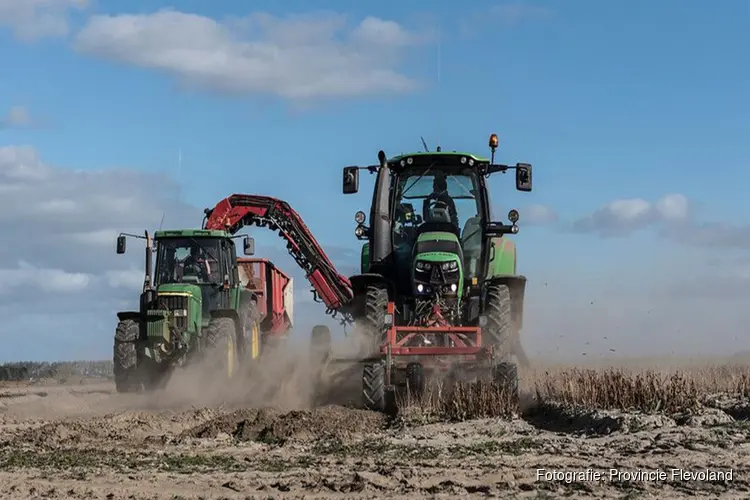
[
  {"x": 438, "y": 283},
  {"x": 195, "y": 307}
]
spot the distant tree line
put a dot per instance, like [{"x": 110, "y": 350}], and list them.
[{"x": 32, "y": 370}]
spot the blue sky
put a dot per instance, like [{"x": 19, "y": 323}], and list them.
[{"x": 608, "y": 100}]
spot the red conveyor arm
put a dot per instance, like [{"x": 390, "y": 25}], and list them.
[{"x": 238, "y": 210}]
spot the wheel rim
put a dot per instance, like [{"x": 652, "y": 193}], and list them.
[{"x": 255, "y": 341}]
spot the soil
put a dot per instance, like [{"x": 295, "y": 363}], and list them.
[{"x": 85, "y": 441}]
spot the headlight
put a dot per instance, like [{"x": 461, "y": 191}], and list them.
[
  {"x": 450, "y": 266},
  {"x": 423, "y": 266},
  {"x": 359, "y": 217},
  {"x": 180, "y": 312},
  {"x": 359, "y": 231}
]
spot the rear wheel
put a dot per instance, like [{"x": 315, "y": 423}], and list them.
[
  {"x": 221, "y": 344},
  {"x": 498, "y": 331},
  {"x": 125, "y": 356}
]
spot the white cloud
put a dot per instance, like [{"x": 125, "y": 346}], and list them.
[
  {"x": 624, "y": 216},
  {"x": 537, "y": 215},
  {"x": 672, "y": 215},
  {"x": 298, "y": 57},
  {"x": 47, "y": 280},
  {"x": 34, "y": 19}
]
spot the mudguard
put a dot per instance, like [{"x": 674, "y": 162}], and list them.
[
  {"x": 123, "y": 315},
  {"x": 502, "y": 269},
  {"x": 365, "y": 262},
  {"x": 360, "y": 283},
  {"x": 502, "y": 257}
]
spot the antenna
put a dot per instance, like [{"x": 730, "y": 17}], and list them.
[
  {"x": 439, "y": 73},
  {"x": 426, "y": 149}
]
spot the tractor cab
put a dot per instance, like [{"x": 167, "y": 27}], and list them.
[
  {"x": 438, "y": 212},
  {"x": 192, "y": 260},
  {"x": 195, "y": 271}
]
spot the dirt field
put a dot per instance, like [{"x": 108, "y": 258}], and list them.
[{"x": 85, "y": 441}]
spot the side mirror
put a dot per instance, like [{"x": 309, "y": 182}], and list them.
[
  {"x": 523, "y": 177},
  {"x": 248, "y": 246},
  {"x": 351, "y": 180},
  {"x": 121, "y": 244},
  {"x": 493, "y": 229}
]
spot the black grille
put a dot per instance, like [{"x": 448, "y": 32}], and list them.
[
  {"x": 172, "y": 302},
  {"x": 448, "y": 246}
]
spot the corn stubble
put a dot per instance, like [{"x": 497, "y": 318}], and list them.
[{"x": 649, "y": 391}]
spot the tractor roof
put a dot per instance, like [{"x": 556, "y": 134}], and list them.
[
  {"x": 191, "y": 233},
  {"x": 442, "y": 158}
]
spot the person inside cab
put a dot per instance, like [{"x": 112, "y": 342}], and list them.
[
  {"x": 439, "y": 202},
  {"x": 195, "y": 265}
]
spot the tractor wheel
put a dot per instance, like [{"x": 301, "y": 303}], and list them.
[
  {"x": 320, "y": 344},
  {"x": 221, "y": 344},
  {"x": 498, "y": 331},
  {"x": 506, "y": 375},
  {"x": 376, "y": 306},
  {"x": 373, "y": 386},
  {"x": 125, "y": 358},
  {"x": 415, "y": 381}
]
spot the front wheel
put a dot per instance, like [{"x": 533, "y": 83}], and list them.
[
  {"x": 125, "y": 356},
  {"x": 505, "y": 375},
  {"x": 373, "y": 321},
  {"x": 498, "y": 332},
  {"x": 221, "y": 346}
]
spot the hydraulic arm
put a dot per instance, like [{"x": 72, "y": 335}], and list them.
[{"x": 238, "y": 210}]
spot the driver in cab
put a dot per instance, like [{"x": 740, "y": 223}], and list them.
[
  {"x": 195, "y": 265},
  {"x": 440, "y": 196}
]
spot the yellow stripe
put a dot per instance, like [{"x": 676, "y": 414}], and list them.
[{"x": 255, "y": 340}]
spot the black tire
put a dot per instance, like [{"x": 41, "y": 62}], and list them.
[
  {"x": 376, "y": 307},
  {"x": 498, "y": 332},
  {"x": 221, "y": 336},
  {"x": 373, "y": 386},
  {"x": 415, "y": 380},
  {"x": 125, "y": 356},
  {"x": 505, "y": 375}
]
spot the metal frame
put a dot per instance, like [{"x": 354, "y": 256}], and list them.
[{"x": 467, "y": 340}]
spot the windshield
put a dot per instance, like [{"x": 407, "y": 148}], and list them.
[
  {"x": 440, "y": 195},
  {"x": 188, "y": 260}
]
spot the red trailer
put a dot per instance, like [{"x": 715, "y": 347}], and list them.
[{"x": 274, "y": 290}]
